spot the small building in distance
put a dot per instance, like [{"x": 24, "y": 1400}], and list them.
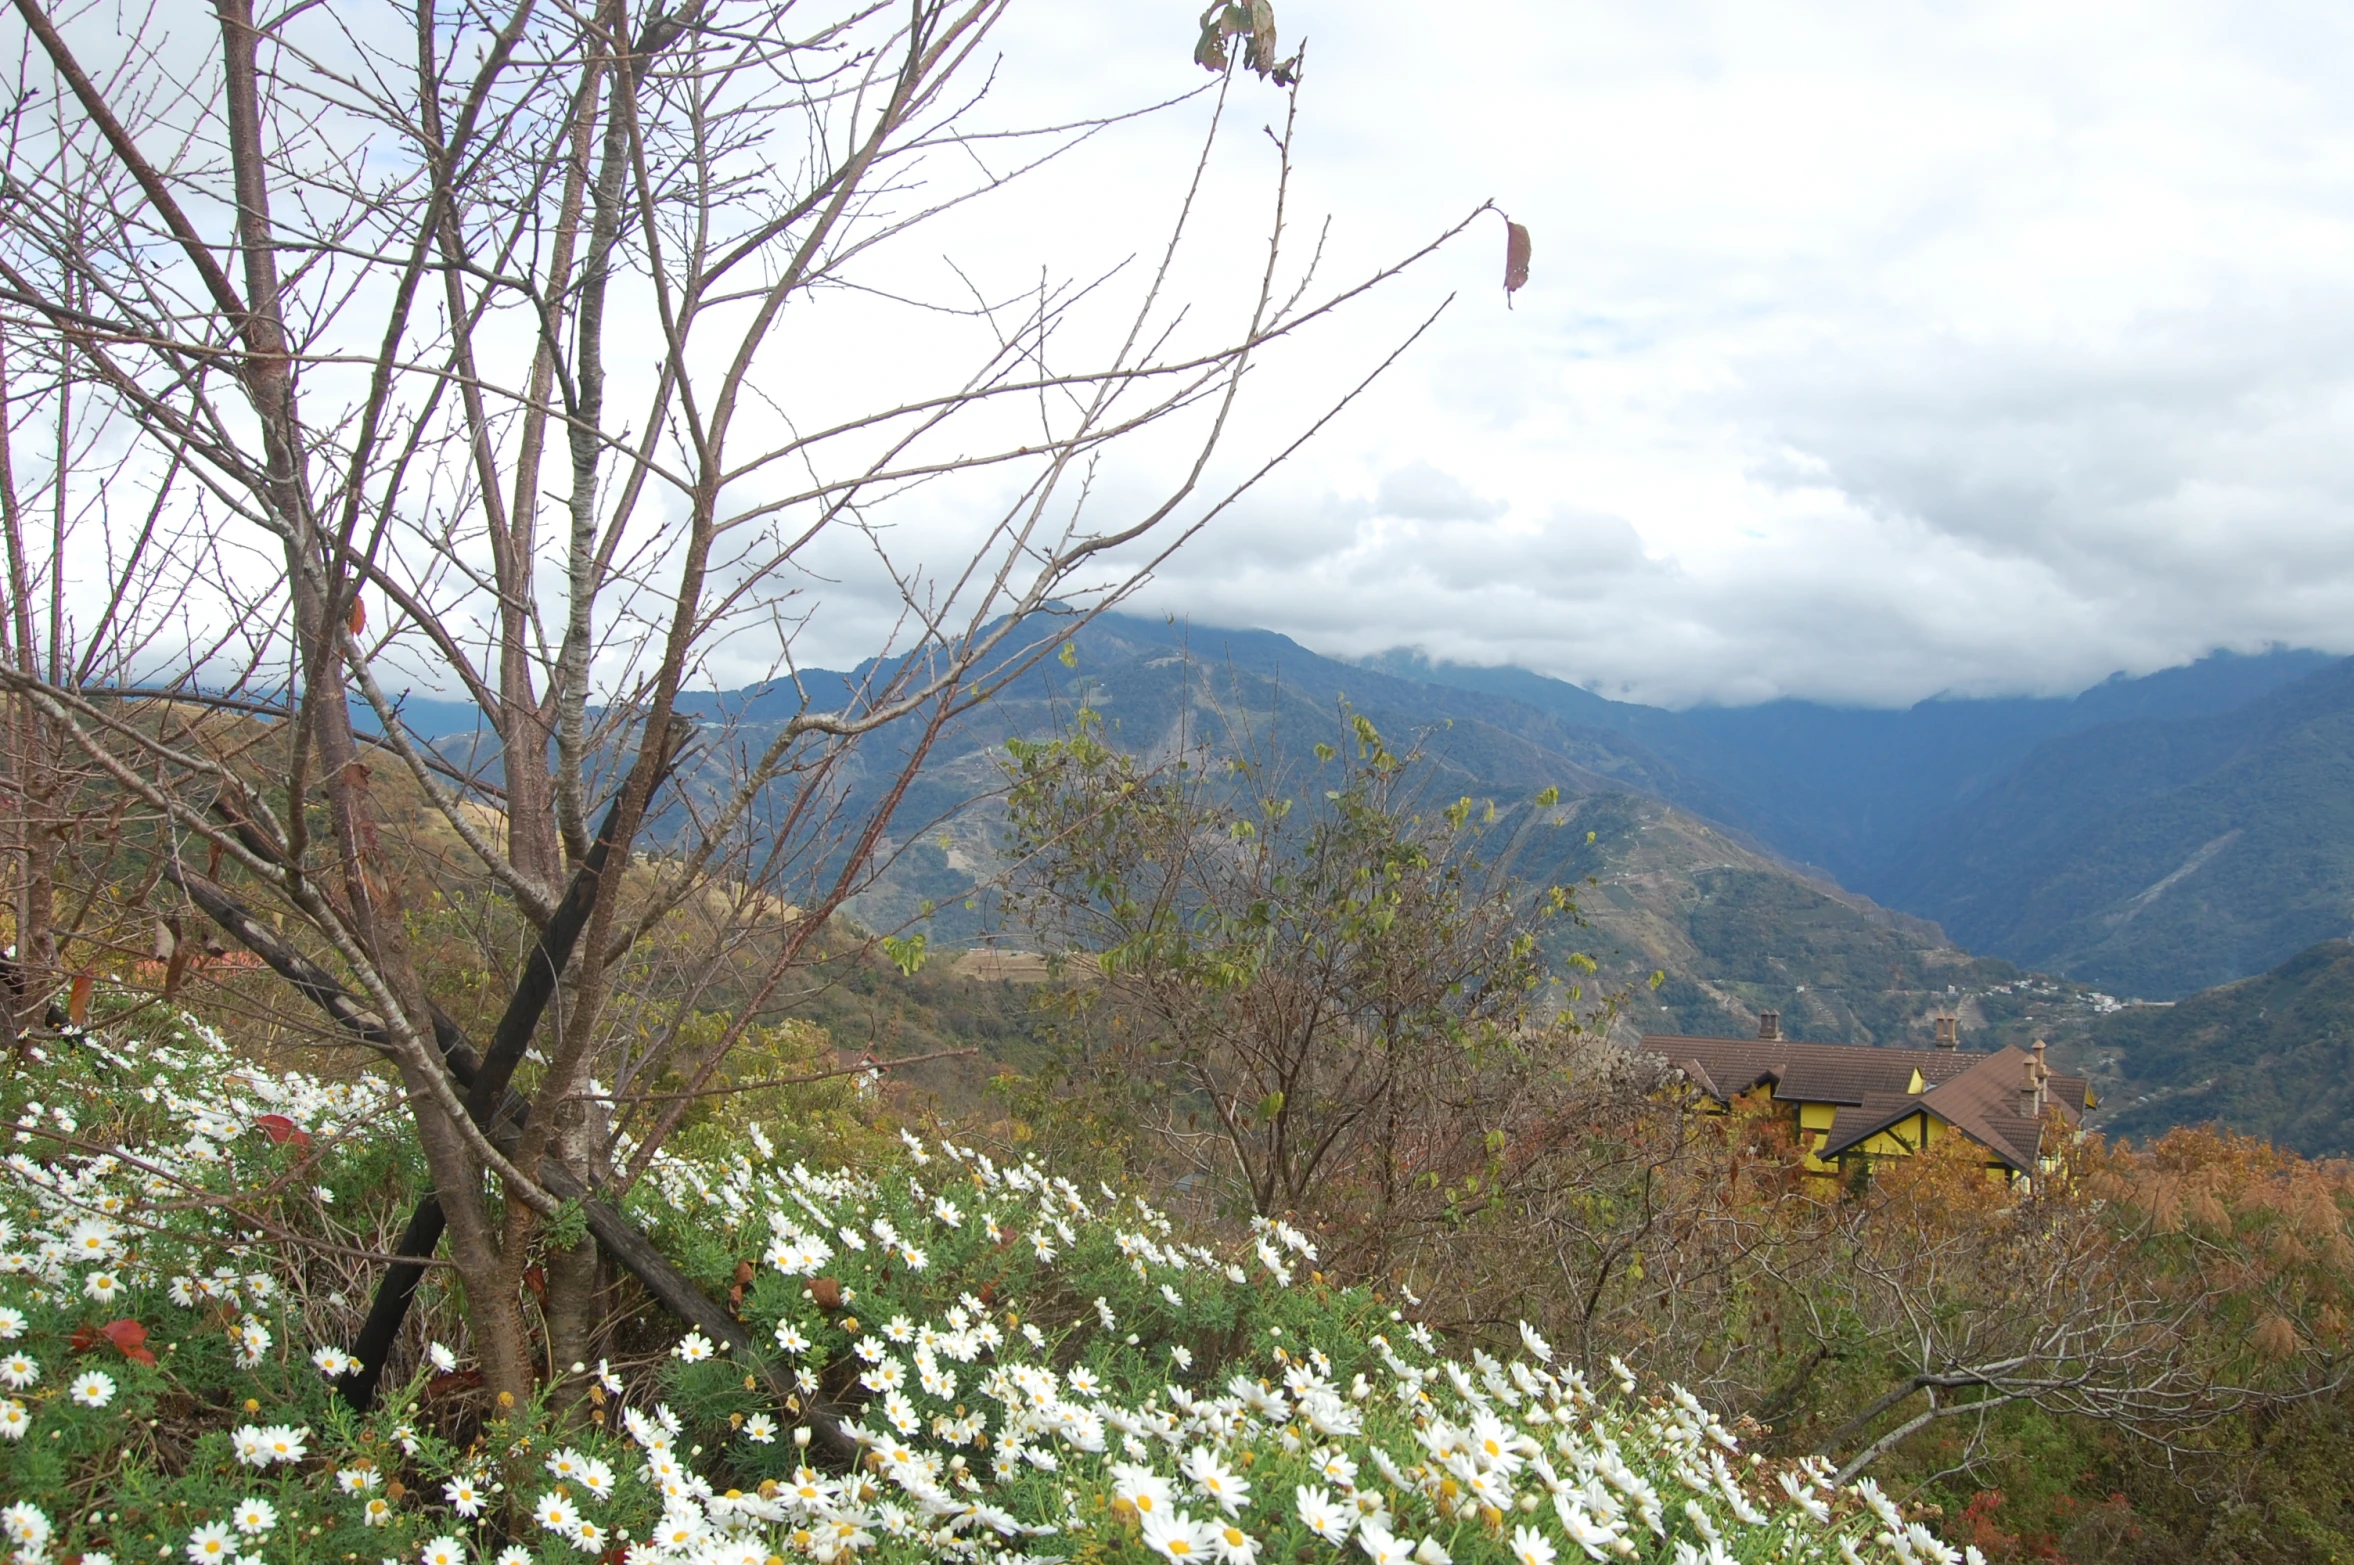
[{"x": 1852, "y": 1101}]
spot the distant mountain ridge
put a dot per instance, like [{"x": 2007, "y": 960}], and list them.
[
  {"x": 1849, "y": 787},
  {"x": 2158, "y": 857},
  {"x": 2153, "y": 836}
]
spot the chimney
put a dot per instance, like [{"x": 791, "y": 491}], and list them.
[
  {"x": 1945, "y": 1033},
  {"x": 2032, "y": 1088},
  {"x": 1769, "y": 1026}
]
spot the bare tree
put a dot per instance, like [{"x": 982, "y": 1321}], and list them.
[{"x": 504, "y": 351}]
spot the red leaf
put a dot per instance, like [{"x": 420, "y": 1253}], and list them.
[
  {"x": 127, "y": 1335},
  {"x": 282, "y": 1130},
  {"x": 1516, "y": 252},
  {"x": 131, "y": 1338},
  {"x": 77, "y": 1000},
  {"x": 827, "y": 1292}
]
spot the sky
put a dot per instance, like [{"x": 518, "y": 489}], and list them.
[{"x": 1871, "y": 352}]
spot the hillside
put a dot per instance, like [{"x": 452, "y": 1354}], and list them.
[
  {"x": 1853, "y": 789},
  {"x": 2272, "y": 1055},
  {"x": 2152, "y": 836},
  {"x": 2157, "y": 857},
  {"x": 1735, "y": 929},
  {"x": 2149, "y": 836}
]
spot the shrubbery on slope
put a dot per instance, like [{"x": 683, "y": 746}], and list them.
[{"x": 1030, "y": 1370}]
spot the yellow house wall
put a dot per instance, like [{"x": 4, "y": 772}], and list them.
[
  {"x": 1814, "y": 1128},
  {"x": 1902, "y": 1139}
]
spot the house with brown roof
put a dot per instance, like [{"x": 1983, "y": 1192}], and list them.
[{"x": 1852, "y": 1101}]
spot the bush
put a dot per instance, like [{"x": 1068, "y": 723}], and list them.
[{"x": 1032, "y": 1371}]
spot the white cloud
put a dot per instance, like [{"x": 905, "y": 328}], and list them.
[
  {"x": 1870, "y": 352},
  {"x": 1420, "y": 492}
]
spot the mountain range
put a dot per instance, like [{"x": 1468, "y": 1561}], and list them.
[
  {"x": 2014, "y": 861},
  {"x": 2153, "y": 836}
]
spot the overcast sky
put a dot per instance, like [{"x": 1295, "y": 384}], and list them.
[{"x": 1872, "y": 351}]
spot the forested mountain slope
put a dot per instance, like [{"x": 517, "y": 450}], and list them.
[
  {"x": 2150, "y": 836},
  {"x": 1735, "y": 928},
  {"x": 2272, "y": 1055},
  {"x": 2157, "y": 857},
  {"x": 1851, "y": 788}
]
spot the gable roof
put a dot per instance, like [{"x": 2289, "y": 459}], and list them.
[
  {"x": 1975, "y": 1092},
  {"x": 1813, "y": 1072}
]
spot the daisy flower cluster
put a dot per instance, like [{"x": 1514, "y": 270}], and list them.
[
  {"x": 1032, "y": 1369},
  {"x": 951, "y": 1358},
  {"x": 123, "y": 1279},
  {"x": 189, "y": 1117}
]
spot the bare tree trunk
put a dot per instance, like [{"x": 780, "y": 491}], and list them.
[{"x": 29, "y": 769}]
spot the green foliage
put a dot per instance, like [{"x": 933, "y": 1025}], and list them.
[{"x": 1290, "y": 967}]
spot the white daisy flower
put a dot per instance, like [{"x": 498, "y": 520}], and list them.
[
  {"x": 1180, "y": 1539},
  {"x": 597, "y": 1479},
  {"x": 25, "y": 1525},
  {"x": 284, "y": 1443},
  {"x": 211, "y": 1544},
  {"x": 1320, "y": 1516}
]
